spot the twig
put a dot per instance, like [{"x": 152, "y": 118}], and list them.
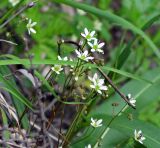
[
  {"x": 10, "y": 42},
  {"x": 31, "y": 4},
  {"x": 115, "y": 88}
]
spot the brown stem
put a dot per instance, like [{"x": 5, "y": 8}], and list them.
[{"x": 115, "y": 88}]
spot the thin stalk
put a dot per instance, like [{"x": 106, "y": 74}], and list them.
[
  {"x": 83, "y": 138},
  {"x": 17, "y": 13},
  {"x": 107, "y": 128},
  {"x": 72, "y": 126},
  {"x": 116, "y": 89}
]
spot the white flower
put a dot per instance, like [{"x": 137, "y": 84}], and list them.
[
  {"x": 88, "y": 35},
  {"x": 97, "y": 25},
  {"x": 96, "y": 46},
  {"x": 57, "y": 69},
  {"x": 96, "y": 123},
  {"x": 138, "y": 136},
  {"x": 83, "y": 55},
  {"x": 14, "y": 2},
  {"x": 62, "y": 59},
  {"x": 131, "y": 100},
  {"x": 30, "y": 26},
  {"x": 97, "y": 83},
  {"x": 88, "y": 146},
  {"x": 76, "y": 78}
]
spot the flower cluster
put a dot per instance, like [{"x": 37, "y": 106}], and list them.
[
  {"x": 57, "y": 69},
  {"x": 96, "y": 123},
  {"x": 138, "y": 136},
  {"x": 93, "y": 42},
  {"x": 97, "y": 84},
  {"x": 132, "y": 101},
  {"x": 84, "y": 55},
  {"x": 30, "y": 26}
]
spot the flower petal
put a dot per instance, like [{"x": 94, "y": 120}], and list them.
[
  {"x": 101, "y": 45},
  {"x": 92, "y": 33},
  {"x": 86, "y": 31}
]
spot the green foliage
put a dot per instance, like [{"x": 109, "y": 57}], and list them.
[{"x": 130, "y": 30}]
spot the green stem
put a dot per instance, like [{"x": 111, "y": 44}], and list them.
[
  {"x": 84, "y": 137},
  {"x": 107, "y": 128},
  {"x": 72, "y": 126}
]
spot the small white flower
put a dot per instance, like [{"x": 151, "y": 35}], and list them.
[
  {"x": 14, "y": 2},
  {"x": 83, "y": 55},
  {"x": 57, "y": 69},
  {"x": 131, "y": 100},
  {"x": 71, "y": 69},
  {"x": 30, "y": 26},
  {"x": 97, "y": 25},
  {"x": 76, "y": 78},
  {"x": 88, "y": 35},
  {"x": 138, "y": 136},
  {"x": 96, "y": 123},
  {"x": 96, "y": 46},
  {"x": 97, "y": 83},
  {"x": 63, "y": 59},
  {"x": 88, "y": 146}
]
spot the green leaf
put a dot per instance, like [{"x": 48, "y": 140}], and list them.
[
  {"x": 52, "y": 62},
  {"x": 5, "y": 123},
  {"x": 137, "y": 89},
  {"x": 10, "y": 88},
  {"x": 152, "y": 133},
  {"x": 127, "y": 50},
  {"x": 19, "y": 106},
  {"x": 9, "y": 13},
  {"x": 113, "y": 18},
  {"x": 105, "y": 111}
]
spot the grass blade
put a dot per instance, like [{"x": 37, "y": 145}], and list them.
[{"x": 113, "y": 18}]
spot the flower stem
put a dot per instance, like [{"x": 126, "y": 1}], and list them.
[{"x": 107, "y": 128}]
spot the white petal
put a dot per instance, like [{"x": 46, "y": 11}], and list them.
[
  {"x": 29, "y": 22},
  {"x": 99, "y": 121},
  {"x": 95, "y": 77},
  {"x": 32, "y": 30},
  {"x": 59, "y": 58},
  {"x": 90, "y": 78},
  {"x": 100, "y": 50},
  {"x": 85, "y": 53},
  {"x": 135, "y": 133},
  {"x": 95, "y": 41},
  {"x": 103, "y": 87},
  {"x": 100, "y": 81},
  {"x": 140, "y": 141},
  {"x": 92, "y": 86},
  {"x": 129, "y": 96},
  {"x": 139, "y": 132},
  {"x": 90, "y": 44},
  {"x": 82, "y": 34},
  {"x": 78, "y": 53},
  {"x": 33, "y": 24},
  {"x": 99, "y": 91},
  {"x": 143, "y": 138},
  {"x": 92, "y": 120},
  {"x": 92, "y": 33},
  {"x": 101, "y": 45},
  {"x": 86, "y": 31},
  {"x": 92, "y": 50},
  {"x": 65, "y": 59},
  {"x": 29, "y": 32},
  {"x": 90, "y": 58}
]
